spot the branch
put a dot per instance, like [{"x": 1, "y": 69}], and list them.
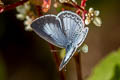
[
  {"x": 78, "y": 66},
  {"x": 53, "y": 49},
  {"x": 57, "y": 61},
  {"x": 80, "y": 8},
  {"x": 83, "y": 5},
  {"x": 77, "y": 6},
  {"x": 78, "y": 57},
  {"x": 11, "y": 6}
]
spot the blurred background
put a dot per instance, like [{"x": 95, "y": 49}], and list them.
[{"x": 25, "y": 56}]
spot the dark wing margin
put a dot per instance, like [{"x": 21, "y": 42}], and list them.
[{"x": 48, "y": 27}]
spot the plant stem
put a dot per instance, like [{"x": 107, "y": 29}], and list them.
[
  {"x": 57, "y": 61},
  {"x": 78, "y": 57},
  {"x": 82, "y": 8},
  {"x": 83, "y": 5},
  {"x": 39, "y": 10},
  {"x": 53, "y": 49},
  {"x": 78, "y": 66},
  {"x": 11, "y": 6},
  {"x": 77, "y": 6}
]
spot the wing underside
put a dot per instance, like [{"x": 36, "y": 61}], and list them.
[
  {"x": 74, "y": 30},
  {"x": 71, "y": 24},
  {"x": 66, "y": 30},
  {"x": 48, "y": 27}
]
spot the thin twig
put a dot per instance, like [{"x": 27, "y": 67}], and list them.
[
  {"x": 82, "y": 8},
  {"x": 52, "y": 48},
  {"x": 38, "y": 10},
  {"x": 77, "y": 6},
  {"x": 78, "y": 57},
  {"x": 11, "y": 6},
  {"x": 78, "y": 66},
  {"x": 57, "y": 61},
  {"x": 83, "y": 5}
]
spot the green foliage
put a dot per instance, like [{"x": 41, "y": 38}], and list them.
[
  {"x": 108, "y": 69},
  {"x": 116, "y": 73},
  {"x": 62, "y": 53}
]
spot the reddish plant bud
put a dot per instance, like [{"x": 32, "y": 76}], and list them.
[
  {"x": 46, "y": 5},
  {"x": 1, "y": 9},
  {"x": 63, "y": 9},
  {"x": 78, "y": 11}
]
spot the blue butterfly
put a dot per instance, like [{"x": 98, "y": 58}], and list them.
[{"x": 66, "y": 30}]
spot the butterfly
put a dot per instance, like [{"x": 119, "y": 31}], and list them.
[{"x": 64, "y": 30}]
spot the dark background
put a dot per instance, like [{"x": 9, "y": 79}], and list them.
[{"x": 25, "y": 56}]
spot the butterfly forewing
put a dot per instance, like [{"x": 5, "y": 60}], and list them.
[{"x": 48, "y": 27}]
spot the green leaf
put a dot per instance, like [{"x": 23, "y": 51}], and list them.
[
  {"x": 62, "y": 53},
  {"x": 117, "y": 73},
  {"x": 108, "y": 69}
]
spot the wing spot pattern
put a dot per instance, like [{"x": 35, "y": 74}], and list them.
[{"x": 73, "y": 22}]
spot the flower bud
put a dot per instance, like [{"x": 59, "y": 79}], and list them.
[
  {"x": 85, "y": 48},
  {"x": 96, "y": 12},
  {"x": 97, "y": 21},
  {"x": 91, "y": 10}
]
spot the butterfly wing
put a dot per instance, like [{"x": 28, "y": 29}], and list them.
[
  {"x": 71, "y": 48},
  {"x": 66, "y": 30},
  {"x": 80, "y": 37},
  {"x": 73, "y": 28},
  {"x": 49, "y": 28},
  {"x": 71, "y": 23}
]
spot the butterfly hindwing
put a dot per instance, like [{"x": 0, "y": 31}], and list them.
[
  {"x": 48, "y": 27},
  {"x": 71, "y": 24},
  {"x": 71, "y": 48},
  {"x": 81, "y": 37},
  {"x": 73, "y": 28}
]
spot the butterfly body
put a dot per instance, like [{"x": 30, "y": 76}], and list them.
[{"x": 66, "y": 30}]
